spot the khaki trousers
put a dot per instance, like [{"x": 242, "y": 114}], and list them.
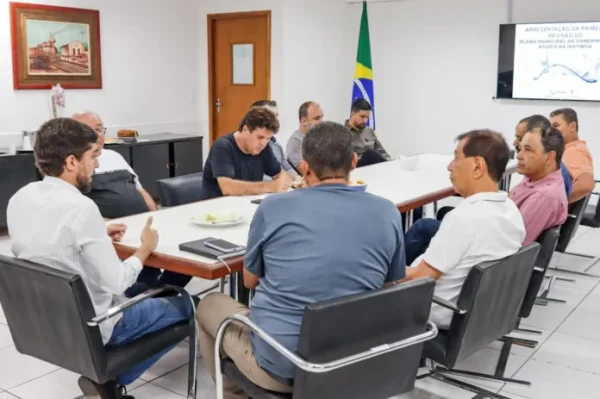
[{"x": 213, "y": 309}]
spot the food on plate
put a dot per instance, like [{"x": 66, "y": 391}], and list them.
[
  {"x": 220, "y": 217},
  {"x": 357, "y": 182}
]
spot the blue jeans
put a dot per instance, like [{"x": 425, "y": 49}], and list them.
[
  {"x": 418, "y": 237},
  {"x": 146, "y": 317}
]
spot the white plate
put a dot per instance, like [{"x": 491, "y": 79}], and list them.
[{"x": 200, "y": 221}]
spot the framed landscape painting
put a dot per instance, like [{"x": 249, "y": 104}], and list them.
[{"x": 53, "y": 45}]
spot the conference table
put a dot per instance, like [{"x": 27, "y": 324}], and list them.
[{"x": 409, "y": 183}]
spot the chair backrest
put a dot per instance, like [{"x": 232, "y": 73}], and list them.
[
  {"x": 180, "y": 190},
  {"x": 492, "y": 295},
  {"x": 591, "y": 216},
  {"x": 569, "y": 228},
  {"x": 547, "y": 242},
  {"x": 342, "y": 327},
  {"x": 47, "y": 311}
]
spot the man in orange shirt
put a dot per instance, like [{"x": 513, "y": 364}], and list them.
[{"x": 577, "y": 157}]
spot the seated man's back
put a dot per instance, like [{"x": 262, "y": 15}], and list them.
[
  {"x": 484, "y": 227},
  {"x": 336, "y": 242},
  {"x": 61, "y": 216}
]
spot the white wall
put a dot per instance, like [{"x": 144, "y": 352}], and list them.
[
  {"x": 435, "y": 63},
  {"x": 311, "y": 56},
  {"x": 150, "y": 70}
]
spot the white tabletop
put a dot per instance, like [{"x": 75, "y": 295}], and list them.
[{"x": 399, "y": 181}]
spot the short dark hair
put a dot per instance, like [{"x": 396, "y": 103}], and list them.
[
  {"x": 59, "y": 138},
  {"x": 535, "y": 121},
  {"x": 490, "y": 146},
  {"x": 264, "y": 103},
  {"x": 303, "y": 111},
  {"x": 327, "y": 148},
  {"x": 361, "y": 105},
  {"x": 568, "y": 114},
  {"x": 552, "y": 140},
  {"x": 258, "y": 118}
]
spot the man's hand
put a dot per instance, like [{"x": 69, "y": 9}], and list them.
[
  {"x": 282, "y": 183},
  {"x": 149, "y": 236},
  {"x": 116, "y": 231}
]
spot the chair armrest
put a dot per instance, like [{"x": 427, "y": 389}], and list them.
[
  {"x": 431, "y": 333},
  {"x": 448, "y": 305},
  {"x": 115, "y": 310}
]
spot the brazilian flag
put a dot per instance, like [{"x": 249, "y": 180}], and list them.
[{"x": 363, "y": 74}]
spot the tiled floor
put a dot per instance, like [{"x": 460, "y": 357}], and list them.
[{"x": 566, "y": 364}]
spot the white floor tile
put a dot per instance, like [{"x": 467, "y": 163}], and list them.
[
  {"x": 7, "y": 395},
  {"x": 5, "y": 337},
  {"x": 548, "y": 317},
  {"x": 573, "y": 352},
  {"x": 60, "y": 384},
  {"x": 549, "y": 381},
  {"x": 569, "y": 292},
  {"x": 485, "y": 361},
  {"x": 429, "y": 388},
  {"x": 17, "y": 369},
  {"x": 177, "y": 382},
  {"x": 585, "y": 243},
  {"x": 173, "y": 360},
  {"x": 582, "y": 323},
  {"x": 522, "y": 350},
  {"x": 581, "y": 282},
  {"x": 149, "y": 391}
]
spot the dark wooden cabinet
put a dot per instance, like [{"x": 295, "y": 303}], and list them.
[
  {"x": 16, "y": 171},
  {"x": 151, "y": 163},
  {"x": 124, "y": 150},
  {"x": 187, "y": 157},
  {"x": 153, "y": 157}
]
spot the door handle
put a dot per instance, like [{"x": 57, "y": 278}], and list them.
[{"x": 218, "y": 104}]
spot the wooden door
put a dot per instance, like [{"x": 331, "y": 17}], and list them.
[{"x": 239, "y": 64}]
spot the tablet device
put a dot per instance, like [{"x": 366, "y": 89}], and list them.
[{"x": 199, "y": 247}]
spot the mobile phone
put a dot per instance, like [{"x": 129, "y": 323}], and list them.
[
  {"x": 222, "y": 245},
  {"x": 256, "y": 201}
]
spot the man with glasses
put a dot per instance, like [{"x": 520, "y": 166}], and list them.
[{"x": 117, "y": 192}]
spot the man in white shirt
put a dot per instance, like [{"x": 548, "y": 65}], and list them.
[
  {"x": 117, "y": 192},
  {"x": 486, "y": 226},
  {"x": 52, "y": 223}
]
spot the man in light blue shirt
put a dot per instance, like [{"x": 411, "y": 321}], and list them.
[{"x": 336, "y": 242}]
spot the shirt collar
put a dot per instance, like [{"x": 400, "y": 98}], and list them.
[
  {"x": 575, "y": 143},
  {"x": 352, "y": 128},
  {"x": 547, "y": 179},
  {"x": 497, "y": 196},
  {"x": 60, "y": 183}
]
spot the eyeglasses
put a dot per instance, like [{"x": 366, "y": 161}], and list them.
[{"x": 101, "y": 130}]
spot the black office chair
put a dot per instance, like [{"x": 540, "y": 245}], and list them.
[
  {"x": 51, "y": 317},
  {"x": 180, "y": 190},
  {"x": 487, "y": 308},
  {"x": 591, "y": 217},
  {"x": 362, "y": 346},
  {"x": 547, "y": 242},
  {"x": 567, "y": 232}
]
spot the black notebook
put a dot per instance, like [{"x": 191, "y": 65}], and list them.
[{"x": 197, "y": 247}]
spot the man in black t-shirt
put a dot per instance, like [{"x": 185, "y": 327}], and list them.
[{"x": 238, "y": 161}]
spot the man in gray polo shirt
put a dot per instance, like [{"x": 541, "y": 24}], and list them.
[
  {"x": 336, "y": 242},
  {"x": 309, "y": 115}
]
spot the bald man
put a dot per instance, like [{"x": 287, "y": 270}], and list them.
[
  {"x": 117, "y": 191},
  {"x": 116, "y": 188}
]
